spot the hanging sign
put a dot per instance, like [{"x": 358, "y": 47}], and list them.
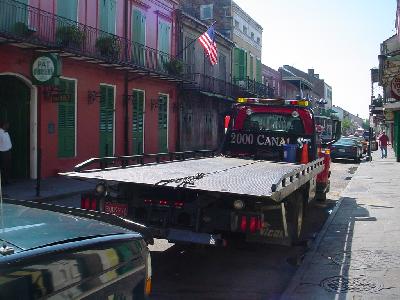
[{"x": 45, "y": 69}]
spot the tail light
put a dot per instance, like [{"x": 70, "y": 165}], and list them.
[
  {"x": 243, "y": 224},
  {"x": 89, "y": 203},
  {"x": 252, "y": 225}
]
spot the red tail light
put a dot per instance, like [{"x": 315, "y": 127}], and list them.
[
  {"x": 85, "y": 203},
  {"x": 243, "y": 224},
  {"x": 148, "y": 201},
  {"x": 93, "y": 204},
  {"x": 178, "y": 204},
  {"x": 164, "y": 202},
  {"x": 253, "y": 224}
]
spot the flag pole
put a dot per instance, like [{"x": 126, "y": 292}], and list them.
[{"x": 192, "y": 42}]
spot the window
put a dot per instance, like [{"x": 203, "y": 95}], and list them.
[
  {"x": 66, "y": 120},
  {"x": 206, "y": 12},
  {"x": 244, "y": 29},
  {"x": 236, "y": 24},
  {"x": 106, "y": 120},
  {"x": 239, "y": 65},
  {"x": 258, "y": 40},
  {"x": 227, "y": 10},
  {"x": 252, "y": 35},
  {"x": 274, "y": 122},
  {"x": 258, "y": 70},
  {"x": 107, "y": 10}
]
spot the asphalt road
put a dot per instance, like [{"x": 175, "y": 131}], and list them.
[{"x": 238, "y": 271}]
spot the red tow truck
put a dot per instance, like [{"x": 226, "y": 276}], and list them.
[{"x": 256, "y": 186}]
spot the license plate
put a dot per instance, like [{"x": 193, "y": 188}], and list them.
[
  {"x": 342, "y": 150},
  {"x": 118, "y": 209}
]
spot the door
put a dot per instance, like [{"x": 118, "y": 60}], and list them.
[
  {"x": 137, "y": 122},
  {"x": 163, "y": 123},
  {"x": 14, "y": 108},
  {"x": 106, "y": 120}
]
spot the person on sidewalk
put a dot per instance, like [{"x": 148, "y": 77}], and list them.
[
  {"x": 5, "y": 152},
  {"x": 383, "y": 142}
]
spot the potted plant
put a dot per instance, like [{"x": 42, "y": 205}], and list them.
[
  {"x": 22, "y": 29},
  {"x": 173, "y": 67},
  {"x": 108, "y": 46},
  {"x": 70, "y": 36}
]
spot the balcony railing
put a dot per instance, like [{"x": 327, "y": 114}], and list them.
[
  {"x": 253, "y": 87},
  {"x": 27, "y": 24},
  {"x": 213, "y": 85}
]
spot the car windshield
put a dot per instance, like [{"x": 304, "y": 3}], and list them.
[{"x": 273, "y": 122}]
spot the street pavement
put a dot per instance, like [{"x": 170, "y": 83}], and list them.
[
  {"x": 357, "y": 253},
  {"x": 51, "y": 188}
]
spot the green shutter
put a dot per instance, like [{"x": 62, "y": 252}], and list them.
[
  {"x": 242, "y": 64},
  {"x": 396, "y": 134},
  {"x": 68, "y": 9},
  {"x": 251, "y": 73},
  {"x": 163, "y": 40},
  {"x": 66, "y": 121},
  {"x": 107, "y": 13},
  {"x": 163, "y": 123},
  {"x": 137, "y": 122},
  {"x": 236, "y": 63},
  {"x": 138, "y": 36},
  {"x": 12, "y": 14},
  {"x": 258, "y": 70},
  {"x": 106, "y": 120}
]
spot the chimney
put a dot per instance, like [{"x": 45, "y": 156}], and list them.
[
  {"x": 311, "y": 72},
  {"x": 316, "y": 76}
]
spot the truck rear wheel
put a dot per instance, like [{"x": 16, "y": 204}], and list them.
[{"x": 295, "y": 207}]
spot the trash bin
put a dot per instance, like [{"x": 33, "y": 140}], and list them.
[{"x": 290, "y": 153}]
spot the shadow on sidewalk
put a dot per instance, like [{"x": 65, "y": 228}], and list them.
[{"x": 337, "y": 267}]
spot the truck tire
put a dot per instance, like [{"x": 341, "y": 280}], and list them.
[{"x": 295, "y": 207}]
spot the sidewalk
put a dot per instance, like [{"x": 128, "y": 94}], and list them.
[
  {"x": 357, "y": 253},
  {"x": 50, "y": 188}
]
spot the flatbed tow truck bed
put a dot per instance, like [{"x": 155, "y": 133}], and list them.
[{"x": 235, "y": 176}]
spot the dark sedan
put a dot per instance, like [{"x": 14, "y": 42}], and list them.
[
  {"x": 49, "y": 251},
  {"x": 347, "y": 148}
]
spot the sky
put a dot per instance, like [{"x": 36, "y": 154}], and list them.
[{"x": 339, "y": 39}]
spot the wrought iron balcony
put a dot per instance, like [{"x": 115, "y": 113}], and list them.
[
  {"x": 208, "y": 84},
  {"x": 36, "y": 28},
  {"x": 254, "y": 88}
]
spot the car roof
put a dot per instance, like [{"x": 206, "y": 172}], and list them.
[{"x": 29, "y": 228}]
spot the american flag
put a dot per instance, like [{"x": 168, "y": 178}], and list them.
[{"x": 207, "y": 40}]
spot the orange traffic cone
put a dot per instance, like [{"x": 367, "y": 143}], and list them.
[{"x": 304, "y": 154}]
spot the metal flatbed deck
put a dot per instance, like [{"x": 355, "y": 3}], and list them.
[{"x": 216, "y": 174}]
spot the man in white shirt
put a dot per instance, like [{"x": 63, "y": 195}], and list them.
[{"x": 5, "y": 152}]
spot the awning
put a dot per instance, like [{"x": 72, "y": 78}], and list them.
[{"x": 218, "y": 96}]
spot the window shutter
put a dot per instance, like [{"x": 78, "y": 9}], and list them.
[
  {"x": 106, "y": 120},
  {"x": 107, "y": 12},
  {"x": 251, "y": 73},
  {"x": 259, "y": 70},
  {"x": 68, "y": 9},
  {"x": 236, "y": 63},
  {"x": 137, "y": 122},
  {"x": 163, "y": 123},
  {"x": 66, "y": 121}
]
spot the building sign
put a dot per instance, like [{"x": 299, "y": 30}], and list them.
[
  {"x": 389, "y": 115},
  {"x": 395, "y": 86},
  {"x": 45, "y": 69}
]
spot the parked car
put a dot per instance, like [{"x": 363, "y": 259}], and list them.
[
  {"x": 346, "y": 147},
  {"x": 362, "y": 142},
  {"x": 50, "y": 251}
]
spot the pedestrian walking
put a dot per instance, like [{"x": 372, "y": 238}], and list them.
[
  {"x": 383, "y": 142},
  {"x": 5, "y": 152}
]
